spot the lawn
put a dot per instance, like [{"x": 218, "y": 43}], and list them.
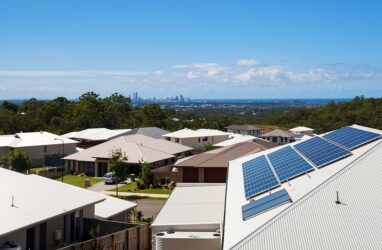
[
  {"x": 79, "y": 181},
  {"x": 131, "y": 187}
]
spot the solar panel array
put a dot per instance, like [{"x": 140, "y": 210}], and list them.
[
  {"x": 261, "y": 205},
  {"x": 320, "y": 151},
  {"x": 258, "y": 176},
  {"x": 350, "y": 137},
  {"x": 287, "y": 163}
]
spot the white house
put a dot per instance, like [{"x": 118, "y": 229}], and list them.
[
  {"x": 196, "y": 139},
  {"x": 278, "y": 136},
  {"x": 333, "y": 202},
  {"x": 40, "y": 213},
  {"x": 302, "y": 130},
  {"x": 37, "y": 144},
  {"x": 244, "y": 129}
]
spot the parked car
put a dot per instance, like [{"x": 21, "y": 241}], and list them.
[
  {"x": 110, "y": 178},
  {"x": 10, "y": 246}
]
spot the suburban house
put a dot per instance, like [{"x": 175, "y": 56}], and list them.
[
  {"x": 153, "y": 132},
  {"x": 211, "y": 166},
  {"x": 137, "y": 148},
  {"x": 191, "y": 218},
  {"x": 237, "y": 138},
  {"x": 37, "y": 145},
  {"x": 113, "y": 209},
  {"x": 319, "y": 193},
  {"x": 278, "y": 136},
  {"x": 196, "y": 139},
  {"x": 302, "y": 131},
  {"x": 93, "y": 136},
  {"x": 40, "y": 213},
  {"x": 244, "y": 130}
]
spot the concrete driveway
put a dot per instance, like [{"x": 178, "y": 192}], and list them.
[
  {"x": 150, "y": 208},
  {"x": 100, "y": 187}
]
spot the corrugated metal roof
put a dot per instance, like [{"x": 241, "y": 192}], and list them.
[
  {"x": 276, "y": 133},
  {"x": 153, "y": 132},
  {"x": 243, "y": 127},
  {"x": 317, "y": 222}
]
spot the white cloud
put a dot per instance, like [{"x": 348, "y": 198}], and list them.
[
  {"x": 267, "y": 72},
  {"x": 196, "y": 66},
  {"x": 192, "y": 75},
  {"x": 247, "y": 62}
]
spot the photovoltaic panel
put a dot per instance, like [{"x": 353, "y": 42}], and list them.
[
  {"x": 320, "y": 151},
  {"x": 258, "y": 176},
  {"x": 268, "y": 202},
  {"x": 287, "y": 163},
  {"x": 350, "y": 137}
]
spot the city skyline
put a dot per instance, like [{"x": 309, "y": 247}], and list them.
[{"x": 246, "y": 49}]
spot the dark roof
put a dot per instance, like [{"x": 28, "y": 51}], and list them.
[
  {"x": 220, "y": 157},
  {"x": 243, "y": 127},
  {"x": 153, "y": 132}
]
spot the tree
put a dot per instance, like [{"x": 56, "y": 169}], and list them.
[
  {"x": 118, "y": 165},
  {"x": 153, "y": 116},
  {"x": 145, "y": 174},
  {"x": 208, "y": 147},
  {"x": 19, "y": 161}
]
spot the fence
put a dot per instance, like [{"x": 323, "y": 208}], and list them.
[
  {"x": 49, "y": 172},
  {"x": 134, "y": 238}
]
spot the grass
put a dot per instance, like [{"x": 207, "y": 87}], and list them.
[
  {"x": 79, "y": 181},
  {"x": 132, "y": 186},
  {"x": 41, "y": 168}
]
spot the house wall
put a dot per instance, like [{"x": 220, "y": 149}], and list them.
[
  {"x": 121, "y": 217},
  {"x": 4, "y": 151},
  {"x": 278, "y": 140},
  {"x": 199, "y": 142},
  {"x": 35, "y": 153},
  {"x": 244, "y": 132},
  {"x": 205, "y": 175}
]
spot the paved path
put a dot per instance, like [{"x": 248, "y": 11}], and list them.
[
  {"x": 101, "y": 187},
  {"x": 137, "y": 194}
]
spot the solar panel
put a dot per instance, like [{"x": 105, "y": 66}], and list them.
[
  {"x": 350, "y": 137},
  {"x": 287, "y": 163},
  {"x": 258, "y": 176},
  {"x": 320, "y": 151},
  {"x": 264, "y": 204}
]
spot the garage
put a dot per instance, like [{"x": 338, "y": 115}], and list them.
[
  {"x": 190, "y": 174},
  {"x": 215, "y": 175}
]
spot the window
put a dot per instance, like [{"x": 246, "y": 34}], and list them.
[
  {"x": 176, "y": 139},
  {"x": 205, "y": 139},
  {"x": 274, "y": 139}
]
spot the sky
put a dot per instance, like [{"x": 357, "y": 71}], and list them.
[{"x": 201, "y": 49}]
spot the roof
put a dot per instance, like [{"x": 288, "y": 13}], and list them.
[
  {"x": 193, "y": 204},
  {"x": 300, "y": 129},
  {"x": 350, "y": 225},
  {"x": 220, "y": 157},
  {"x": 153, "y": 132},
  {"x": 31, "y": 139},
  {"x": 243, "y": 127},
  {"x": 37, "y": 199},
  {"x": 243, "y": 138},
  {"x": 277, "y": 133},
  {"x": 112, "y": 206},
  {"x": 236, "y": 229},
  {"x": 189, "y": 133},
  {"x": 136, "y": 147},
  {"x": 96, "y": 134}
]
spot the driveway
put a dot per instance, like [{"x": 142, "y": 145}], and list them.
[
  {"x": 100, "y": 187},
  {"x": 150, "y": 208}
]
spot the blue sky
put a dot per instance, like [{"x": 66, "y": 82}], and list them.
[{"x": 201, "y": 49}]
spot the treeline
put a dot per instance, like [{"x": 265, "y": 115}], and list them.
[
  {"x": 361, "y": 111},
  {"x": 61, "y": 115}
]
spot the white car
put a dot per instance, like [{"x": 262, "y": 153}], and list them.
[{"x": 110, "y": 178}]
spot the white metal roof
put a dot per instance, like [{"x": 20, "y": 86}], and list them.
[
  {"x": 317, "y": 222},
  {"x": 37, "y": 199},
  {"x": 193, "y": 205},
  {"x": 235, "y": 229},
  {"x": 96, "y": 134},
  {"x": 112, "y": 206},
  {"x": 31, "y": 139},
  {"x": 189, "y": 133},
  {"x": 300, "y": 129},
  {"x": 235, "y": 140},
  {"x": 136, "y": 147}
]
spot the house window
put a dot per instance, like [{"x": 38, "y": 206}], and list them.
[
  {"x": 274, "y": 139},
  {"x": 176, "y": 139},
  {"x": 205, "y": 139}
]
